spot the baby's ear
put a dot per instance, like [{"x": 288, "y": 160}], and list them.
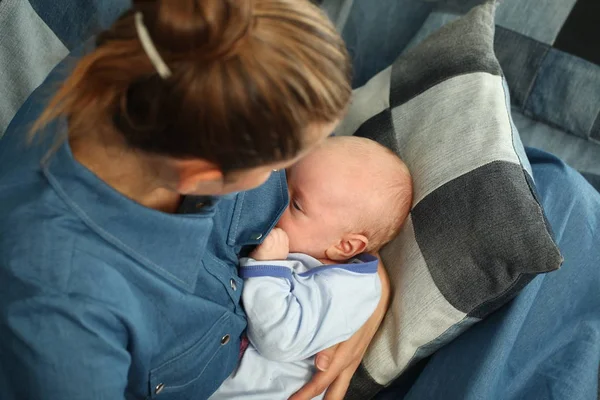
[{"x": 349, "y": 246}]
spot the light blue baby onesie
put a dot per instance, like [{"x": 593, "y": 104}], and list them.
[{"x": 295, "y": 309}]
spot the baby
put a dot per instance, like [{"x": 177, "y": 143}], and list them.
[{"x": 312, "y": 283}]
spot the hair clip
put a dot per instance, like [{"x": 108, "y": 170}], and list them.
[{"x": 159, "y": 64}]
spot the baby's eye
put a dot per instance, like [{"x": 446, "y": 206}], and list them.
[{"x": 296, "y": 205}]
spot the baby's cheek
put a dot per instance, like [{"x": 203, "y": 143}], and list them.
[
  {"x": 295, "y": 237},
  {"x": 304, "y": 241},
  {"x": 283, "y": 222}
]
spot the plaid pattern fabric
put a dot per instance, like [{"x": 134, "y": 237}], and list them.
[
  {"x": 549, "y": 54},
  {"x": 36, "y": 35},
  {"x": 557, "y": 82},
  {"x": 476, "y": 233}
]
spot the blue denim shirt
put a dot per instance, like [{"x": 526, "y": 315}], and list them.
[{"x": 102, "y": 298}]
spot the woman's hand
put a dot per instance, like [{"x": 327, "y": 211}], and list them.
[{"x": 338, "y": 363}]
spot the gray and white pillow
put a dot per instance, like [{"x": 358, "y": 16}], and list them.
[{"x": 476, "y": 234}]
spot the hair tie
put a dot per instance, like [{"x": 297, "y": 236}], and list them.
[{"x": 161, "y": 67}]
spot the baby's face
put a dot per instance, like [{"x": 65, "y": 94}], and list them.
[
  {"x": 348, "y": 194},
  {"x": 321, "y": 198}
]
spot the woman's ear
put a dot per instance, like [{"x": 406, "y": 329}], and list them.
[
  {"x": 349, "y": 246},
  {"x": 198, "y": 177}
]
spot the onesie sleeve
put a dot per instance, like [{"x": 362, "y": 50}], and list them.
[{"x": 292, "y": 316}]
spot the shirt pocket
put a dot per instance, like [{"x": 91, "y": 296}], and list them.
[
  {"x": 257, "y": 211},
  {"x": 198, "y": 371}
]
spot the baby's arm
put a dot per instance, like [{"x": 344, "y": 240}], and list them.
[{"x": 293, "y": 316}]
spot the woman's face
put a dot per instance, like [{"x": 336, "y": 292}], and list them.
[{"x": 254, "y": 177}]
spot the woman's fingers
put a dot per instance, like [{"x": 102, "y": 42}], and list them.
[
  {"x": 344, "y": 362},
  {"x": 337, "y": 390},
  {"x": 336, "y": 381},
  {"x": 319, "y": 382},
  {"x": 323, "y": 359}
]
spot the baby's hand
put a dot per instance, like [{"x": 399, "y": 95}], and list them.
[{"x": 276, "y": 246}]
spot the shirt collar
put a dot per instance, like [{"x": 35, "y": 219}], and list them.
[{"x": 171, "y": 245}]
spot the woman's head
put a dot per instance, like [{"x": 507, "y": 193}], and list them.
[{"x": 254, "y": 84}]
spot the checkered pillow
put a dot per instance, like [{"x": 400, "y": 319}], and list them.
[{"x": 476, "y": 234}]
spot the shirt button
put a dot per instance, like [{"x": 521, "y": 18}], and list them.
[
  {"x": 159, "y": 388},
  {"x": 225, "y": 339},
  {"x": 233, "y": 285},
  {"x": 256, "y": 236}
]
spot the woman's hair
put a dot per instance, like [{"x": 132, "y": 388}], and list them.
[{"x": 248, "y": 78}]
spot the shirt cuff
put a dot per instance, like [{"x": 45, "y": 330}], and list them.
[{"x": 251, "y": 268}]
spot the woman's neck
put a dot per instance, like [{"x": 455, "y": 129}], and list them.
[{"x": 131, "y": 173}]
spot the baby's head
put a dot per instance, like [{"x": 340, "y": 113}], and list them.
[{"x": 351, "y": 195}]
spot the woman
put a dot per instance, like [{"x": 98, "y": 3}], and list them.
[{"x": 120, "y": 226}]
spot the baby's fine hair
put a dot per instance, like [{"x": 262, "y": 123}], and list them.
[{"x": 389, "y": 186}]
